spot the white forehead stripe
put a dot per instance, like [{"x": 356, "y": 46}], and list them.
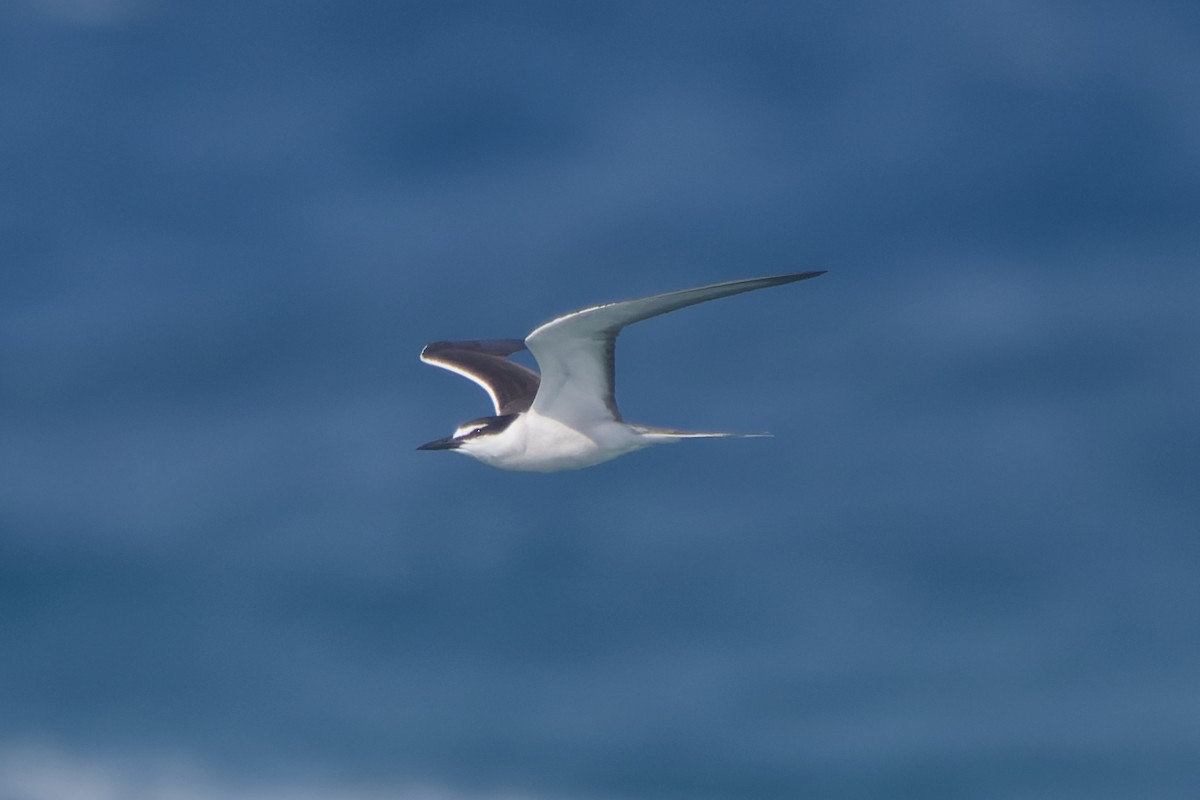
[{"x": 470, "y": 427}]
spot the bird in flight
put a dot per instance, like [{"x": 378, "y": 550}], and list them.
[{"x": 567, "y": 417}]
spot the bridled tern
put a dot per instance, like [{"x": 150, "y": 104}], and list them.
[{"x": 567, "y": 417}]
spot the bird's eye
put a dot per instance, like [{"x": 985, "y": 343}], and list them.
[{"x": 468, "y": 429}]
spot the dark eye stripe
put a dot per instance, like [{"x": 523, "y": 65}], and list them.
[
  {"x": 484, "y": 425},
  {"x": 470, "y": 429}
]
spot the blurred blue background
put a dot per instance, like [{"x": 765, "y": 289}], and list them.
[{"x": 968, "y": 565}]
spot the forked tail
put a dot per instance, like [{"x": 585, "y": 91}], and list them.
[{"x": 662, "y": 435}]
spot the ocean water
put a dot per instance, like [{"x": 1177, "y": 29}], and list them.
[{"x": 964, "y": 566}]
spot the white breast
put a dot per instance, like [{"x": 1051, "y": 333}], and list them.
[{"x": 533, "y": 443}]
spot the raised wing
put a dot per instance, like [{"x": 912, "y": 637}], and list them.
[
  {"x": 575, "y": 351},
  {"x": 511, "y": 386}
]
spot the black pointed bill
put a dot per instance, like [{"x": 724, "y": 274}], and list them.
[{"x": 449, "y": 443}]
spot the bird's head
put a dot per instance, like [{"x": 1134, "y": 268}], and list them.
[{"x": 474, "y": 435}]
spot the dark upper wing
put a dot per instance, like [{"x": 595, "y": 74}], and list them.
[{"x": 511, "y": 386}]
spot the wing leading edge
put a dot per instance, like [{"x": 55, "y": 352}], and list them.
[{"x": 510, "y": 385}]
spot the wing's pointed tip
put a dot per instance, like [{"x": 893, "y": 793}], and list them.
[
  {"x": 494, "y": 347},
  {"x": 801, "y": 276},
  {"x": 428, "y": 351}
]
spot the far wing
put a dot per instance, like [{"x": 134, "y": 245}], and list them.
[
  {"x": 575, "y": 351},
  {"x": 511, "y": 386}
]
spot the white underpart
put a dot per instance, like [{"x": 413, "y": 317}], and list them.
[{"x": 534, "y": 443}]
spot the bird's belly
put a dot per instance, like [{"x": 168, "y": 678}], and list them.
[{"x": 547, "y": 445}]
